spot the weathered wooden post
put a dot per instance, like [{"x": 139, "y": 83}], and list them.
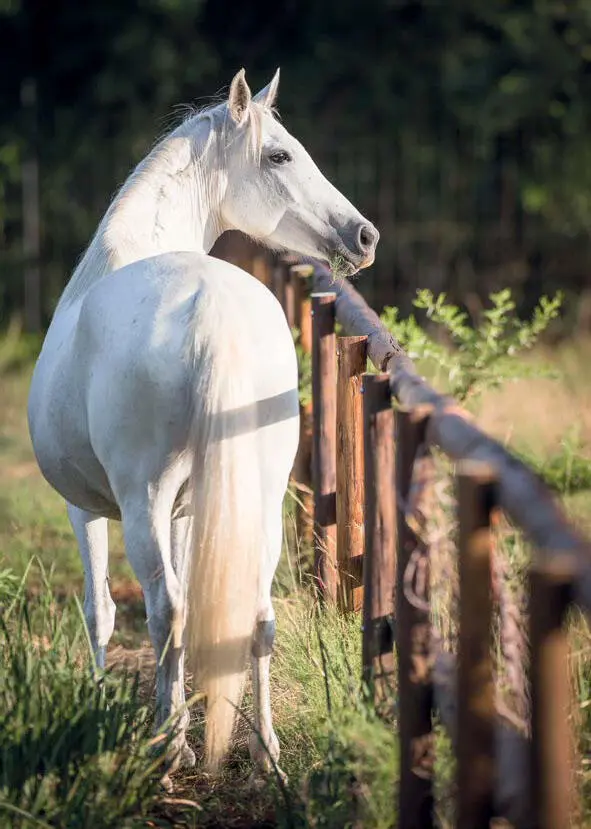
[
  {"x": 283, "y": 288},
  {"x": 351, "y": 364},
  {"x": 261, "y": 267},
  {"x": 476, "y": 487},
  {"x": 551, "y": 593},
  {"x": 279, "y": 280},
  {"x": 302, "y": 278},
  {"x": 289, "y": 293},
  {"x": 379, "y": 564},
  {"x": 324, "y": 392},
  {"x": 415, "y": 692}
]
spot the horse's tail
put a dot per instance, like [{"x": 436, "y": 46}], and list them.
[{"x": 228, "y": 536}]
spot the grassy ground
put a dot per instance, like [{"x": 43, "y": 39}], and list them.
[{"x": 340, "y": 759}]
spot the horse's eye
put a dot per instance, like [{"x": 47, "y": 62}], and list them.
[{"x": 280, "y": 157}]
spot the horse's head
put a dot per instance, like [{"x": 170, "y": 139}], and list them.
[{"x": 276, "y": 193}]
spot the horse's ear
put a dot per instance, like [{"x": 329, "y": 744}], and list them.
[
  {"x": 239, "y": 98},
  {"x": 268, "y": 95}
]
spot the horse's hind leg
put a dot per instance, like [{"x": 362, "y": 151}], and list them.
[
  {"x": 263, "y": 742},
  {"x": 99, "y": 609},
  {"x": 148, "y": 542},
  {"x": 180, "y": 541}
]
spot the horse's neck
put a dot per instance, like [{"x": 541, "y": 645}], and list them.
[
  {"x": 169, "y": 203},
  {"x": 166, "y": 205}
]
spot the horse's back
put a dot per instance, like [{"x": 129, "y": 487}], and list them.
[
  {"x": 120, "y": 381},
  {"x": 151, "y": 317}
]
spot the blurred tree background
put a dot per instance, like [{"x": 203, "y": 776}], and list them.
[{"x": 461, "y": 127}]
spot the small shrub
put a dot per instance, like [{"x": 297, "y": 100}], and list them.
[{"x": 473, "y": 358}]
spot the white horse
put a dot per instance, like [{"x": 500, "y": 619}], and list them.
[{"x": 165, "y": 396}]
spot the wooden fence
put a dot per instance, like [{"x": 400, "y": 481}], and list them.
[{"x": 372, "y": 473}]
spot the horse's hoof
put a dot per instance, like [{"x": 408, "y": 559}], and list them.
[
  {"x": 259, "y": 779},
  {"x": 279, "y": 773},
  {"x": 167, "y": 784},
  {"x": 188, "y": 759}
]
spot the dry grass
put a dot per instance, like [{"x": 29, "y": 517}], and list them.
[{"x": 539, "y": 413}]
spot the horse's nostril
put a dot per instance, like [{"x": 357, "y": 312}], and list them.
[{"x": 366, "y": 237}]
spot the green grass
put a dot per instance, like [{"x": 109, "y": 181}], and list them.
[
  {"x": 74, "y": 751},
  {"x": 76, "y": 754}
]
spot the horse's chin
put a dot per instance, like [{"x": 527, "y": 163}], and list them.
[
  {"x": 349, "y": 268},
  {"x": 349, "y": 265},
  {"x": 367, "y": 263}
]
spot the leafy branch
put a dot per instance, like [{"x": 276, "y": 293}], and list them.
[{"x": 474, "y": 358}]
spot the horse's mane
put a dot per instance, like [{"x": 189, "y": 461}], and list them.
[{"x": 172, "y": 155}]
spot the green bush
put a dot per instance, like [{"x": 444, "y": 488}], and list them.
[{"x": 471, "y": 358}]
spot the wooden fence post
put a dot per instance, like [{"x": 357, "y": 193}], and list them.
[
  {"x": 413, "y": 626},
  {"x": 351, "y": 364},
  {"x": 551, "y": 593},
  {"x": 476, "y": 487},
  {"x": 324, "y": 392},
  {"x": 380, "y": 537},
  {"x": 289, "y": 294},
  {"x": 283, "y": 288},
  {"x": 302, "y": 278},
  {"x": 261, "y": 267},
  {"x": 278, "y": 283}
]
